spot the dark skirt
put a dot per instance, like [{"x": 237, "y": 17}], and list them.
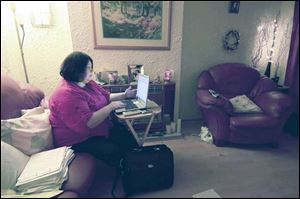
[{"x": 109, "y": 149}]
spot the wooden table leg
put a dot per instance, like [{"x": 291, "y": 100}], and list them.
[
  {"x": 148, "y": 127},
  {"x": 130, "y": 125}
]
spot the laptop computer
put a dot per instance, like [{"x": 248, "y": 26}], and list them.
[{"x": 140, "y": 101}]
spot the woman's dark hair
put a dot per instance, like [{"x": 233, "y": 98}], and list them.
[{"x": 74, "y": 66}]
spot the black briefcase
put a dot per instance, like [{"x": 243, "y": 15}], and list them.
[{"x": 146, "y": 169}]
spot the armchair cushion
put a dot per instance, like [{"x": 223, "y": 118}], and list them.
[
  {"x": 274, "y": 103},
  {"x": 206, "y": 100},
  {"x": 255, "y": 120}
]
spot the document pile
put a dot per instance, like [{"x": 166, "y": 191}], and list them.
[{"x": 45, "y": 171}]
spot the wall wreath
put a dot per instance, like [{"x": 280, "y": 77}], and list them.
[{"x": 231, "y": 40}]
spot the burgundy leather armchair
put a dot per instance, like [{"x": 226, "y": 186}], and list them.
[
  {"x": 230, "y": 80},
  {"x": 16, "y": 96}
]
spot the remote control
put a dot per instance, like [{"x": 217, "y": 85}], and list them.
[
  {"x": 146, "y": 111},
  {"x": 120, "y": 110},
  {"x": 213, "y": 93},
  {"x": 128, "y": 113}
]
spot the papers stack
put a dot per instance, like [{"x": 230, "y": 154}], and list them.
[
  {"x": 207, "y": 194},
  {"x": 49, "y": 194},
  {"x": 45, "y": 171}
]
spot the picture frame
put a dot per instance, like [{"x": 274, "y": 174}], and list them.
[
  {"x": 110, "y": 77},
  {"x": 132, "y": 25},
  {"x": 133, "y": 71},
  {"x": 234, "y": 7}
]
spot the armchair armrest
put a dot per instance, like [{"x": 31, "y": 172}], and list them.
[
  {"x": 274, "y": 103},
  {"x": 206, "y": 100},
  {"x": 263, "y": 85}
]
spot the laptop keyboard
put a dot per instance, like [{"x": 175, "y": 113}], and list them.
[{"x": 129, "y": 104}]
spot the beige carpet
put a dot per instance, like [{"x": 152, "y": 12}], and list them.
[{"x": 232, "y": 171}]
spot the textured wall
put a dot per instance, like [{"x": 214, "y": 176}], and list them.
[
  {"x": 44, "y": 48},
  {"x": 155, "y": 62},
  {"x": 11, "y": 62},
  {"x": 205, "y": 24}
]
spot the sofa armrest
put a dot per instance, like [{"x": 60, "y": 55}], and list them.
[
  {"x": 274, "y": 103},
  {"x": 81, "y": 174},
  {"x": 206, "y": 100}
]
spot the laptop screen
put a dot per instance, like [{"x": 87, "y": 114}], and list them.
[{"x": 142, "y": 87}]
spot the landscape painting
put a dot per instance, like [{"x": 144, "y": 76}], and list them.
[{"x": 131, "y": 24}]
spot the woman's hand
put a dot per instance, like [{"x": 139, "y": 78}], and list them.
[
  {"x": 116, "y": 105},
  {"x": 130, "y": 93}
]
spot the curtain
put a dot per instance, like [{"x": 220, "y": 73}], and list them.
[
  {"x": 292, "y": 64},
  {"x": 292, "y": 74}
]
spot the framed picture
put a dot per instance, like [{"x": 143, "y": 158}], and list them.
[
  {"x": 133, "y": 71},
  {"x": 132, "y": 24},
  {"x": 234, "y": 6},
  {"x": 110, "y": 77}
]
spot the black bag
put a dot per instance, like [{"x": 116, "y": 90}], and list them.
[{"x": 146, "y": 169}]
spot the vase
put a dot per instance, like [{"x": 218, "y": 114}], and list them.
[{"x": 268, "y": 70}]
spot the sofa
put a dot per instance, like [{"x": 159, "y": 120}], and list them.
[
  {"x": 16, "y": 96},
  {"x": 234, "y": 79}
]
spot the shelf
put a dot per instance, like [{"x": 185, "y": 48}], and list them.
[{"x": 162, "y": 137}]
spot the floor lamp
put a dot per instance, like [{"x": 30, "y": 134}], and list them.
[{"x": 13, "y": 8}]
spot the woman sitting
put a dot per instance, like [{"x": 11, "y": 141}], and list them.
[{"x": 80, "y": 110}]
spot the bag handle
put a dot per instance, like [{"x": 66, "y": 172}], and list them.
[
  {"x": 119, "y": 173},
  {"x": 116, "y": 180}
]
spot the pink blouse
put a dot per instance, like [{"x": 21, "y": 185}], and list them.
[{"x": 71, "y": 108}]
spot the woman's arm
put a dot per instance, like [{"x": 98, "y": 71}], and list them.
[
  {"x": 117, "y": 96},
  {"x": 129, "y": 93},
  {"x": 99, "y": 116}
]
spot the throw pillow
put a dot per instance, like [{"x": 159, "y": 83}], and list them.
[
  {"x": 45, "y": 103},
  {"x": 13, "y": 162},
  {"x": 242, "y": 104},
  {"x": 30, "y": 133}
]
